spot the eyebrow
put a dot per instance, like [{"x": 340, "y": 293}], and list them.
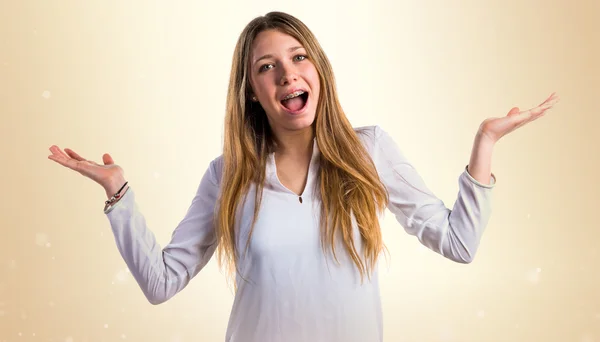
[{"x": 293, "y": 48}]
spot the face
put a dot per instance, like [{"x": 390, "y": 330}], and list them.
[{"x": 284, "y": 81}]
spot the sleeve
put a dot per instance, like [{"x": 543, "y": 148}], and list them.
[
  {"x": 162, "y": 273},
  {"x": 454, "y": 233}
]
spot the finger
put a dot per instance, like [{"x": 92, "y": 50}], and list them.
[
  {"x": 107, "y": 159},
  {"x": 513, "y": 111},
  {"x": 58, "y": 152},
  {"x": 547, "y": 105},
  {"x": 532, "y": 112},
  {"x": 552, "y": 102},
  {"x": 531, "y": 119},
  {"x": 68, "y": 162},
  {"x": 548, "y": 99},
  {"x": 530, "y": 115},
  {"x": 74, "y": 155},
  {"x": 553, "y": 98}
]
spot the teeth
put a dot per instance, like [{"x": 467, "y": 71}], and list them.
[{"x": 294, "y": 94}]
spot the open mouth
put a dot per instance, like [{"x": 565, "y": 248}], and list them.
[{"x": 295, "y": 102}]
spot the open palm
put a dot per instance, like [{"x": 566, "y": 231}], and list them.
[
  {"x": 101, "y": 174},
  {"x": 496, "y": 128}
]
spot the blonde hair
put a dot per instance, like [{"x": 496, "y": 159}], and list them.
[{"x": 348, "y": 182}]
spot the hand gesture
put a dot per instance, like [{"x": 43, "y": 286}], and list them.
[
  {"x": 496, "y": 128},
  {"x": 107, "y": 175}
]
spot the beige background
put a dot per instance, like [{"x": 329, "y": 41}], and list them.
[{"x": 146, "y": 82}]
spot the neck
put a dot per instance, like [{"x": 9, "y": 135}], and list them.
[{"x": 294, "y": 143}]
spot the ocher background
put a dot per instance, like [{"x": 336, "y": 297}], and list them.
[{"x": 146, "y": 81}]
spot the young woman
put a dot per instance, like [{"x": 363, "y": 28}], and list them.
[{"x": 291, "y": 207}]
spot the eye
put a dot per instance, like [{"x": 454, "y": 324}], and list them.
[
  {"x": 264, "y": 67},
  {"x": 300, "y": 57}
]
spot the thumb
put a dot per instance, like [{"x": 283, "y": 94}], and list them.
[
  {"x": 107, "y": 159},
  {"x": 513, "y": 111}
]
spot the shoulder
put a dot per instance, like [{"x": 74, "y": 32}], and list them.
[
  {"x": 380, "y": 145},
  {"x": 369, "y": 135},
  {"x": 215, "y": 169}
]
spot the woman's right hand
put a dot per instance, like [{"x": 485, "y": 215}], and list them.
[{"x": 110, "y": 175}]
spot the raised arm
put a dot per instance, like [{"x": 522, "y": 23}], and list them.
[
  {"x": 163, "y": 272},
  {"x": 454, "y": 233}
]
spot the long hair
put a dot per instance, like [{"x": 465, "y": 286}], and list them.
[{"x": 348, "y": 181}]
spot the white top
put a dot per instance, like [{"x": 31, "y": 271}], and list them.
[{"x": 294, "y": 291}]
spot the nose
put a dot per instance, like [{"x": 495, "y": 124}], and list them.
[{"x": 288, "y": 75}]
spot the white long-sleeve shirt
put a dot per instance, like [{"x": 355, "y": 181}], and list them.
[{"x": 294, "y": 291}]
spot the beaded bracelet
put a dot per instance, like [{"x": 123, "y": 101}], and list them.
[{"x": 114, "y": 197}]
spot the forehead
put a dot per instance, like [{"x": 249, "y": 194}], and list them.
[{"x": 272, "y": 42}]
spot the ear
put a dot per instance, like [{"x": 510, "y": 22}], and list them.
[{"x": 250, "y": 93}]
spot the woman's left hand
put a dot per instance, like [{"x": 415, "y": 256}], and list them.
[{"x": 495, "y": 128}]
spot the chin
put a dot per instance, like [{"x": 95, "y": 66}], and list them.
[{"x": 300, "y": 124}]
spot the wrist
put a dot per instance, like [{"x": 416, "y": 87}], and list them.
[
  {"x": 481, "y": 158},
  {"x": 483, "y": 138},
  {"x": 112, "y": 187}
]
